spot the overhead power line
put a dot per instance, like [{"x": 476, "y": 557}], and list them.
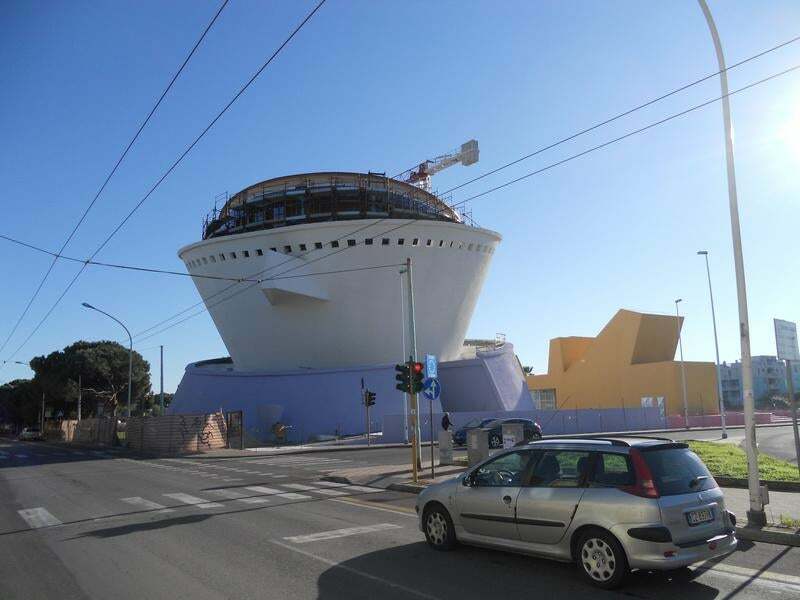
[
  {"x": 621, "y": 115},
  {"x": 172, "y": 167},
  {"x": 110, "y": 175},
  {"x": 506, "y": 184}
]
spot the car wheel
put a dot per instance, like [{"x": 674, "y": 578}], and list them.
[
  {"x": 602, "y": 560},
  {"x": 495, "y": 441},
  {"x": 439, "y": 530}
]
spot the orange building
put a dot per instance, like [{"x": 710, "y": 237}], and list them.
[{"x": 629, "y": 364}]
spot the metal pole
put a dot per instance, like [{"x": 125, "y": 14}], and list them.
[
  {"x": 793, "y": 400},
  {"x": 162, "y": 380},
  {"x": 41, "y": 427},
  {"x": 430, "y": 411},
  {"x": 79, "y": 397},
  {"x": 683, "y": 368},
  {"x": 403, "y": 330},
  {"x": 716, "y": 350},
  {"x": 755, "y": 516},
  {"x": 412, "y": 344}
]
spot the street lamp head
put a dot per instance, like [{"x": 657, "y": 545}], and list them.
[
  {"x": 678, "y": 300},
  {"x": 703, "y": 252},
  {"x": 86, "y": 305}
]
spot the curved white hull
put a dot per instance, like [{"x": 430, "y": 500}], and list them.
[{"x": 348, "y": 318}]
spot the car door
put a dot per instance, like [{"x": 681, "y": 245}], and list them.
[
  {"x": 547, "y": 504},
  {"x": 486, "y": 501}
]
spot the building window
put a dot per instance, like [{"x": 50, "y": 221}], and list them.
[
  {"x": 544, "y": 399},
  {"x": 287, "y": 249},
  {"x": 415, "y": 242},
  {"x": 302, "y": 247},
  {"x": 222, "y": 256},
  {"x": 318, "y": 245},
  {"x": 335, "y": 244},
  {"x": 385, "y": 241},
  {"x": 259, "y": 252},
  {"x": 246, "y": 253},
  {"x": 401, "y": 241},
  {"x": 233, "y": 255},
  {"x": 351, "y": 243},
  {"x": 368, "y": 242},
  {"x": 441, "y": 243},
  {"x": 428, "y": 243},
  {"x": 273, "y": 249}
]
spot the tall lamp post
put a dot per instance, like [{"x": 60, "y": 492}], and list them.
[
  {"x": 130, "y": 349},
  {"x": 683, "y": 368},
  {"x": 755, "y": 516},
  {"x": 716, "y": 348}
]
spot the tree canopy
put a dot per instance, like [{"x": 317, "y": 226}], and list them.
[{"x": 103, "y": 370}]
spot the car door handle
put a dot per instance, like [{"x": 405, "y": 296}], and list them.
[{"x": 507, "y": 499}]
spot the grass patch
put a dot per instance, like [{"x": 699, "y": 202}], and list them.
[
  {"x": 728, "y": 460},
  {"x": 790, "y": 522}
]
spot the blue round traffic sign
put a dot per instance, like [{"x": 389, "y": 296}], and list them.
[{"x": 431, "y": 388}]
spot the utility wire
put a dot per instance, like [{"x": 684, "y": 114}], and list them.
[
  {"x": 621, "y": 115},
  {"x": 170, "y": 169},
  {"x": 511, "y": 182},
  {"x": 111, "y": 174}
]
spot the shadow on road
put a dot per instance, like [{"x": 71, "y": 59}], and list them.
[
  {"x": 416, "y": 571},
  {"x": 111, "y": 532}
]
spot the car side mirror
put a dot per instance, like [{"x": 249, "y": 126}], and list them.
[{"x": 468, "y": 480}]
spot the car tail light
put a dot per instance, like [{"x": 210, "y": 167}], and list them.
[{"x": 645, "y": 486}]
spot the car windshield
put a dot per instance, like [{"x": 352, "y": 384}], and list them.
[
  {"x": 678, "y": 471},
  {"x": 472, "y": 423}
]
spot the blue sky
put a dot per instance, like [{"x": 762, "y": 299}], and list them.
[{"x": 380, "y": 86}]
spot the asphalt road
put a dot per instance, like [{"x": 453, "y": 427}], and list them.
[
  {"x": 775, "y": 441},
  {"x": 83, "y": 524}
]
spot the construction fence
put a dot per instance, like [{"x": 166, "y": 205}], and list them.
[{"x": 177, "y": 434}]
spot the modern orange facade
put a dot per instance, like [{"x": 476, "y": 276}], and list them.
[{"x": 629, "y": 364}]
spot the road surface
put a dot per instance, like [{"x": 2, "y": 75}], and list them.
[{"x": 81, "y": 524}]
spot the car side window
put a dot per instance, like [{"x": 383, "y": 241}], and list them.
[
  {"x": 507, "y": 470},
  {"x": 612, "y": 470},
  {"x": 561, "y": 468}
]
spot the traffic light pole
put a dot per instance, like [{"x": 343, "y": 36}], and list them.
[{"x": 412, "y": 343}]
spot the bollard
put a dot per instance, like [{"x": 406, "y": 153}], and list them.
[
  {"x": 445, "y": 448},
  {"x": 477, "y": 445},
  {"x": 513, "y": 434}
]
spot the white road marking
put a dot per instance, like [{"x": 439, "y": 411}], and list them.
[
  {"x": 193, "y": 500},
  {"x": 348, "y": 569},
  {"x": 273, "y": 492},
  {"x": 38, "y": 517},
  {"x": 339, "y": 533},
  {"x": 362, "y": 488},
  {"x": 752, "y": 574},
  {"x": 298, "y": 486},
  {"x": 397, "y": 511},
  {"x": 331, "y": 483},
  {"x": 146, "y": 504},
  {"x": 330, "y": 492},
  {"x": 234, "y": 495}
]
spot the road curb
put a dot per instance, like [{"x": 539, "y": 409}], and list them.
[{"x": 770, "y": 535}]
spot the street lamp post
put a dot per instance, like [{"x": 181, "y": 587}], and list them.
[
  {"x": 755, "y": 516},
  {"x": 716, "y": 348},
  {"x": 130, "y": 349},
  {"x": 683, "y": 368}
]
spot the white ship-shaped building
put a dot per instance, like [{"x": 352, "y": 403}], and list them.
[{"x": 320, "y": 256}]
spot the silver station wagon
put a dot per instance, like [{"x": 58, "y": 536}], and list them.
[{"x": 608, "y": 504}]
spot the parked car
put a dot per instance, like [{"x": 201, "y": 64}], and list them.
[
  {"x": 30, "y": 433},
  {"x": 610, "y": 505},
  {"x": 531, "y": 430}
]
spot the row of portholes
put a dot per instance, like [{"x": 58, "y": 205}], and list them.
[{"x": 288, "y": 249}]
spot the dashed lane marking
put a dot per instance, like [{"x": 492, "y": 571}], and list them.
[
  {"x": 340, "y": 533},
  {"x": 397, "y": 510},
  {"x": 193, "y": 500},
  {"x": 298, "y": 486},
  {"x": 38, "y": 517},
  {"x": 330, "y": 492},
  {"x": 146, "y": 504},
  {"x": 238, "y": 496},
  {"x": 331, "y": 483},
  {"x": 278, "y": 493}
]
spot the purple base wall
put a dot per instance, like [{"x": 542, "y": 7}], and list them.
[{"x": 328, "y": 402}]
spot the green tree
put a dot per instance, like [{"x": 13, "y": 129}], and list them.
[
  {"x": 103, "y": 368},
  {"x": 20, "y": 401}
]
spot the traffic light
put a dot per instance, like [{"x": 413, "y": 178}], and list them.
[
  {"x": 369, "y": 398},
  {"x": 402, "y": 377},
  {"x": 417, "y": 376}
]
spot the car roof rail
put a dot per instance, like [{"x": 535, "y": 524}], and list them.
[
  {"x": 591, "y": 438},
  {"x": 649, "y": 437}
]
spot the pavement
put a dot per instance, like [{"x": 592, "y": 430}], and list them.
[{"x": 77, "y": 523}]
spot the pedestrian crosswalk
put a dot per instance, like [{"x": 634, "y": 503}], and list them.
[{"x": 214, "y": 499}]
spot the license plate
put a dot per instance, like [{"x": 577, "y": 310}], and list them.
[{"x": 696, "y": 517}]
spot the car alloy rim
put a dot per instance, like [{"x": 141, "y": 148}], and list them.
[
  {"x": 598, "y": 559},
  {"x": 437, "y": 528}
]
